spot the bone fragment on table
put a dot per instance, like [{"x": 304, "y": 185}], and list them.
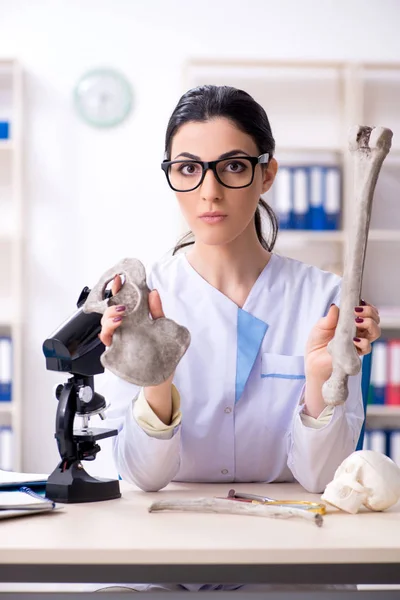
[
  {"x": 225, "y": 506},
  {"x": 369, "y": 147}
]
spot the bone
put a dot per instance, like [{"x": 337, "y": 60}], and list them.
[
  {"x": 369, "y": 148},
  {"x": 143, "y": 351},
  {"x": 366, "y": 478},
  {"x": 224, "y": 506}
]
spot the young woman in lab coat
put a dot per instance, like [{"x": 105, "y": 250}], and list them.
[{"x": 245, "y": 402}]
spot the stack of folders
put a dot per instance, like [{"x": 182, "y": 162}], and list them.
[
  {"x": 18, "y": 499},
  {"x": 5, "y": 368},
  {"x": 384, "y": 441},
  {"x": 308, "y": 197},
  {"x": 384, "y": 385},
  {"x": 6, "y": 458},
  {"x": 384, "y": 390},
  {"x": 6, "y": 448}
]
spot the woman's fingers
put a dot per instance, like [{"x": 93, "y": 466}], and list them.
[
  {"x": 116, "y": 284},
  {"x": 110, "y": 321},
  {"x": 113, "y": 315},
  {"x": 367, "y": 328},
  {"x": 155, "y": 305},
  {"x": 368, "y": 310},
  {"x": 363, "y": 345}
]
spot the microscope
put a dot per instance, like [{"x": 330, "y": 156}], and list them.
[{"x": 75, "y": 348}]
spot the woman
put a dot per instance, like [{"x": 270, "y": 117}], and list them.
[{"x": 245, "y": 402}]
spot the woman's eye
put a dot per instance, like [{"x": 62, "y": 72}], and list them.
[
  {"x": 189, "y": 169},
  {"x": 235, "y": 167}
]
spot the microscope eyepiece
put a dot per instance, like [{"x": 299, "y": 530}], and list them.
[{"x": 75, "y": 346}]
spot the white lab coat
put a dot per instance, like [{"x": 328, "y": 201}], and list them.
[{"x": 240, "y": 382}]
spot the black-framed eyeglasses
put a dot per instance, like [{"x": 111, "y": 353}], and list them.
[{"x": 236, "y": 172}]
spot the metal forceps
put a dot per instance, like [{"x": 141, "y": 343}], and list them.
[{"x": 302, "y": 504}]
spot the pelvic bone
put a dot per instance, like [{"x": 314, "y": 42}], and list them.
[{"x": 143, "y": 351}]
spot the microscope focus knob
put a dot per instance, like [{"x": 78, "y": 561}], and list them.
[
  {"x": 58, "y": 388},
  {"x": 85, "y": 393}
]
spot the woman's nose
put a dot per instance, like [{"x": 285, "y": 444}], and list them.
[{"x": 211, "y": 188}]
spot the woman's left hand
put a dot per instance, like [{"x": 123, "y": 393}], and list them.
[{"x": 318, "y": 361}]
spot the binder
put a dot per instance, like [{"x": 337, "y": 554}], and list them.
[
  {"x": 332, "y": 199},
  {"x": 6, "y": 448},
  {"x": 283, "y": 197},
  {"x": 4, "y": 130},
  {"x": 301, "y": 194},
  {"x": 5, "y": 369},
  {"x": 379, "y": 372},
  {"x": 395, "y": 447},
  {"x": 393, "y": 387},
  {"x": 377, "y": 441},
  {"x": 317, "y": 198}
]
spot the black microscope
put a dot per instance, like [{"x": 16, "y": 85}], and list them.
[{"x": 76, "y": 348}]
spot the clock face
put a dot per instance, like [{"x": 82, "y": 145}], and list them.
[{"x": 103, "y": 97}]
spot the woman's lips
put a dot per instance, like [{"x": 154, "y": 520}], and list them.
[{"x": 211, "y": 219}]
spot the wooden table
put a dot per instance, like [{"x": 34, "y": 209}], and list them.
[{"x": 120, "y": 540}]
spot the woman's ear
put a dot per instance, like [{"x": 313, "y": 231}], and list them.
[{"x": 269, "y": 174}]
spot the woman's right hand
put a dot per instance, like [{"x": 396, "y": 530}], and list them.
[
  {"x": 158, "y": 397},
  {"x": 113, "y": 315}
]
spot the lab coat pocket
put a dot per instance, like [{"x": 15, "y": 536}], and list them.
[
  {"x": 282, "y": 366},
  {"x": 283, "y": 378}
]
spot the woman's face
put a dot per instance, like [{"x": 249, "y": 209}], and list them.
[{"x": 208, "y": 141}]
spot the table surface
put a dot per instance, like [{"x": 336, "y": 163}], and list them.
[{"x": 123, "y": 532}]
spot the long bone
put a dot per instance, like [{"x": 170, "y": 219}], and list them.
[
  {"x": 225, "y": 506},
  {"x": 369, "y": 147}
]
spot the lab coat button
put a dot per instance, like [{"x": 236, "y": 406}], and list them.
[
  {"x": 224, "y": 471},
  {"x": 228, "y": 410}
]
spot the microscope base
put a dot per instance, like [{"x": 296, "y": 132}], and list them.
[{"x": 76, "y": 485}]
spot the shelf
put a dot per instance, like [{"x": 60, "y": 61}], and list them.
[
  {"x": 390, "y": 317},
  {"x": 328, "y": 150},
  {"x": 6, "y": 314},
  {"x": 384, "y": 235},
  {"x": 390, "y": 323},
  {"x": 383, "y": 417},
  {"x": 7, "y": 234},
  {"x": 305, "y": 235},
  {"x": 6, "y": 145},
  {"x": 6, "y": 414}
]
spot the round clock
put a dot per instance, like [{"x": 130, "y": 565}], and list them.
[{"x": 103, "y": 97}]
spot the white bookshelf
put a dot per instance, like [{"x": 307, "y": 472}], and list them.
[
  {"x": 311, "y": 107},
  {"x": 383, "y": 417},
  {"x": 11, "y": 240}
]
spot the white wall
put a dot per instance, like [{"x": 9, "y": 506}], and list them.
[{"x": 92, "y": 196}]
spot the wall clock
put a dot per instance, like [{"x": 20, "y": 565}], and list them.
[{"x": 103, "y": 97}]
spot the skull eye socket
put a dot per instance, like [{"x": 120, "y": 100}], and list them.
[
  {"x": 345, "y": 491},
  {"x": 350, "y": 468}
]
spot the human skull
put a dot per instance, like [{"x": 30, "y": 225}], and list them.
[{"x": 364, "y": 478}]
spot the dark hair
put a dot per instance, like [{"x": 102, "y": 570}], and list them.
[{"x": 211, "y": 101}]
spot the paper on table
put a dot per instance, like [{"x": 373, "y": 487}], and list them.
[
  {"x": 24, "y": 500},
  {"x": 10, "y": 479}
]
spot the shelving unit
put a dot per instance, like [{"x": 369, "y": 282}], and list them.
[
  {"x": 383, "y": 417},
  {"x": 11, "y": 241},
  {"x": 311, "y": 107}
]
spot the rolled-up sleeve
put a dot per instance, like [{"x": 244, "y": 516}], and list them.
[
  {"x": 143, "y": 455},
  {"x": 315, "y": 452}
]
